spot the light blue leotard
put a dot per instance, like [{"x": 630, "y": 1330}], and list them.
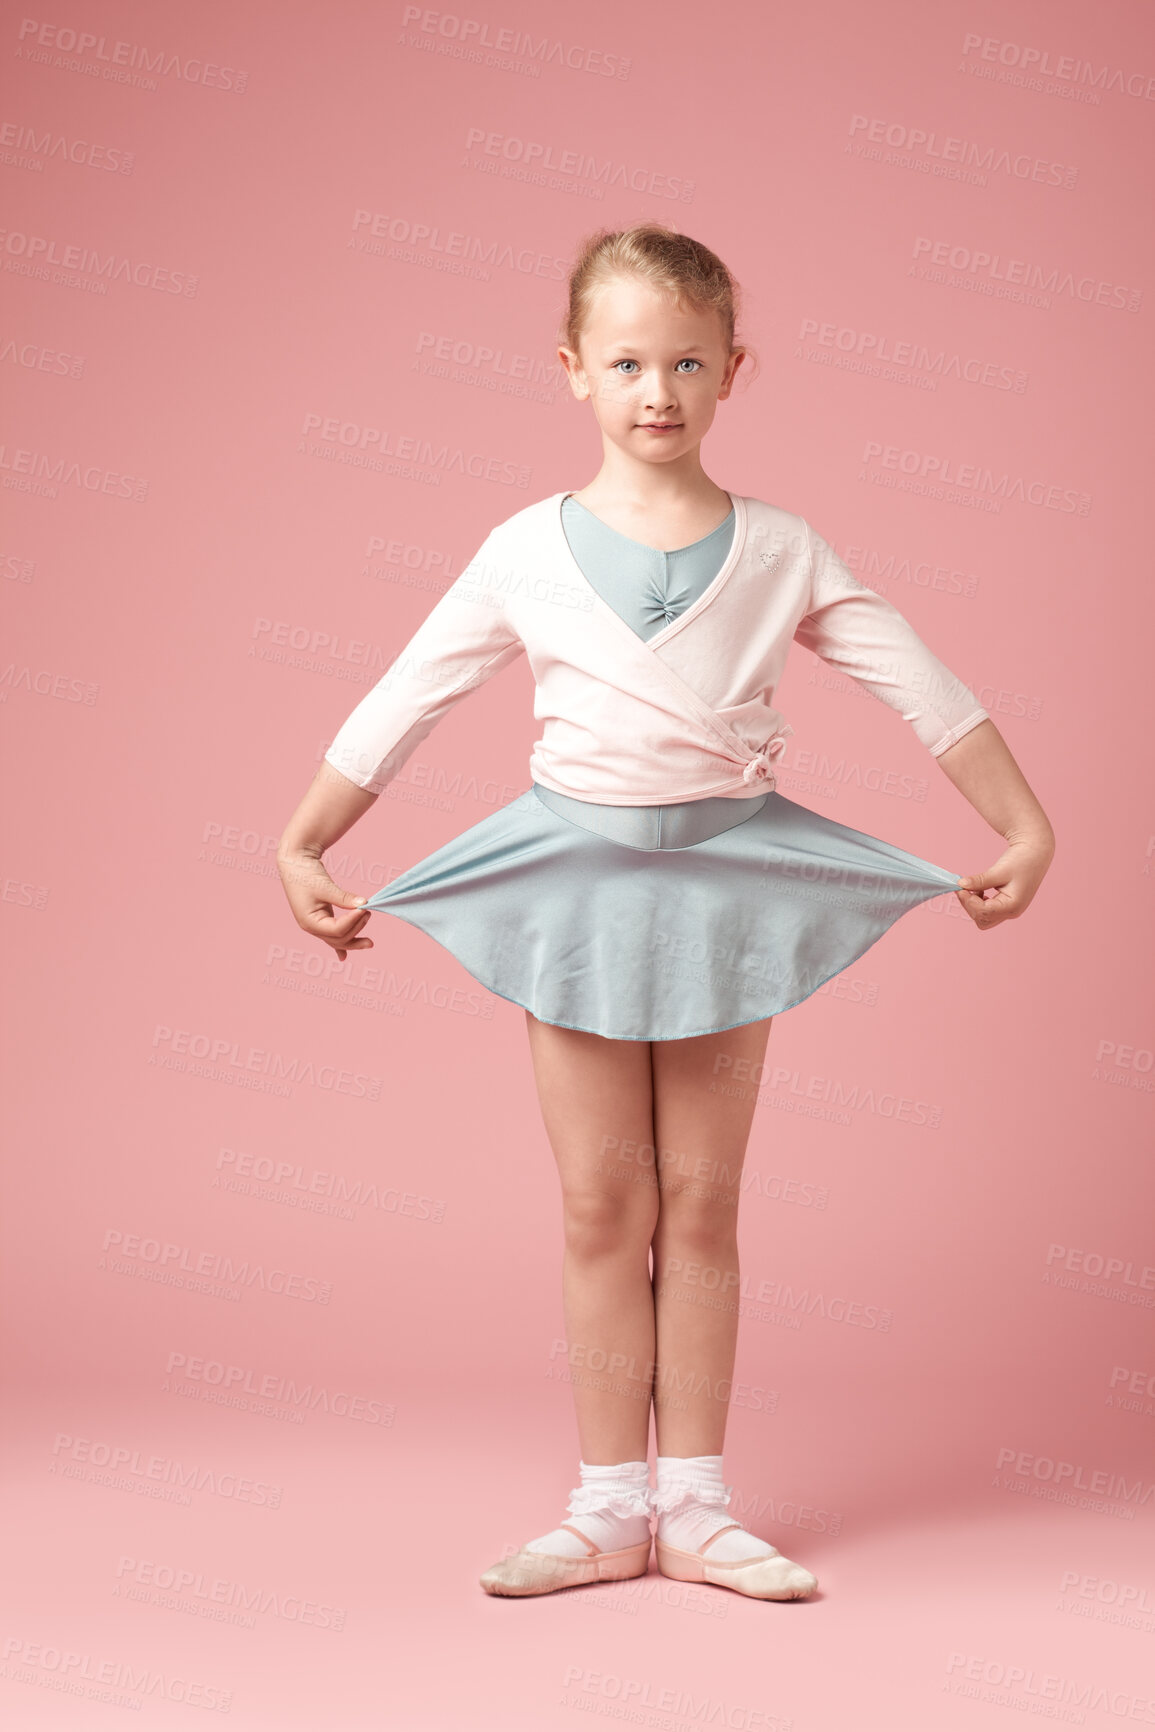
[{"x": 648, "y": 588}]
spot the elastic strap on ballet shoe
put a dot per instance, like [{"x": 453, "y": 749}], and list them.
[
  {"x": 715, "y": 1535},
  {"x": 593, "y": 1550}
]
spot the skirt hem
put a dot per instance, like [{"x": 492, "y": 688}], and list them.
[
  {"x": 638, "y": 943},
  {"x": 693, "y": 1034}
]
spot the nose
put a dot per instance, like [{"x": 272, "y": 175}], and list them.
[{"x": 659, "y": 396}]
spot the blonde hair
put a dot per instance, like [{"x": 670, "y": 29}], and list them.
[{"x": 658, "y": 255}]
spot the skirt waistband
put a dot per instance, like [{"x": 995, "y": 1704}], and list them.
[{"x": 652, "y": 827}]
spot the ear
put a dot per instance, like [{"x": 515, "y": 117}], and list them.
[
  {"x": 579, "y": 384},
  {"x": 732, "y": 365}
]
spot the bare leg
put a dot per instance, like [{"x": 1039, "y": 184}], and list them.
[
  {"x": 607, "y": 1107},
  {"x": 596, "y": 1099},
  {"x": 634, "y": 1338},
  {"x": 702, "y": 1121},
  {"x": 701, "y": 1137}
]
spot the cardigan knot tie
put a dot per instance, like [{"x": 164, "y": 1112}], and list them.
[{"x": 760, "y": 767}]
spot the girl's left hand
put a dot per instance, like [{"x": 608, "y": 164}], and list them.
[{"x": 1006, "y": 889}]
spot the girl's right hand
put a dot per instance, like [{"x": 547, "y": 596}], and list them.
[
  {"x": 1012, "y": 881},
  {"x": 316, "y": 901}
]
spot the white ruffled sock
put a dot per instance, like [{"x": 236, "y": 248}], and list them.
[
  {"x": 611, "y": 1507},
  {"x": 691, "y": 1504}
]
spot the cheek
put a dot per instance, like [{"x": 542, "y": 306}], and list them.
[{"x": 615, "y": 390}]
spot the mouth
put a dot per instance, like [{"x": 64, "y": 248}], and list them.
[{"x": 659, "y": 426}]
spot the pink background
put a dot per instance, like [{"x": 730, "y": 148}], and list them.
[{"x": 200, "y": 585}]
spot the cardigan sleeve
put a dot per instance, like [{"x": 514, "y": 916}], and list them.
[
  {"x": 462, "y": 642},
  {"x": 863, "y": 635}
]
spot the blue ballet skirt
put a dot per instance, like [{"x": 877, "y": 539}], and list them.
[{"x": 659, "y": 943}]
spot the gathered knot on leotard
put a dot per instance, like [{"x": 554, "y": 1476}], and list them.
[{"x": 659, "y": 606}]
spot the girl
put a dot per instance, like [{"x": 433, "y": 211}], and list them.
[{"x": 651, "y": 901}]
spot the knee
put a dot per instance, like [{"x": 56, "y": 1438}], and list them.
[
  {"x": 599, "y": 1224},
  {"x": 697, "y": 1229}
]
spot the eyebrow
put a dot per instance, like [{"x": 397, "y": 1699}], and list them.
[{"x": 690, "y": 349}]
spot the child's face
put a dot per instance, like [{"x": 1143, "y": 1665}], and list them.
[{"x": 653, "y": 371}]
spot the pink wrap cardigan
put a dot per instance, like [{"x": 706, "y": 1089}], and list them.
[{"x": 688, "y": 713}]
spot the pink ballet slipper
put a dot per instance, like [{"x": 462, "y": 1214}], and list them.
[
  {"x": 542, "y": 1572},
  {"x": 762, "y": 1578}
]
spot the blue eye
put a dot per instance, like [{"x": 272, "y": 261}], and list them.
[{"x": 693, "y": 363}]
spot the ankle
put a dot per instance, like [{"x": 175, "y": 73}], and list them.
[
  {"x": 692, "y": 1506},
  {"x": 685, "y": 1479},
  {"x": 611, "y": 1508}
]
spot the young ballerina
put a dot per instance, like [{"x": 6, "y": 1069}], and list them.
[{"x": 651, "y": 900}]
